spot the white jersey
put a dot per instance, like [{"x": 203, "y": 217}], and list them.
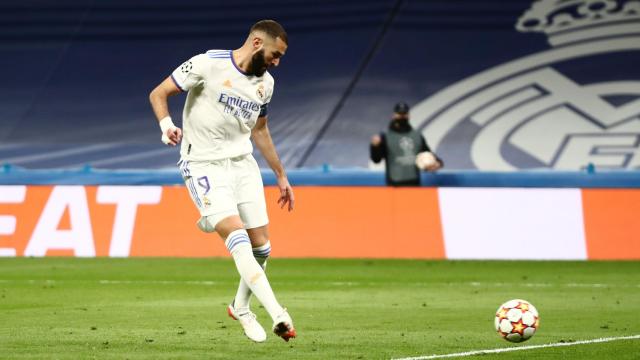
[{"x": 222, "y": 106}]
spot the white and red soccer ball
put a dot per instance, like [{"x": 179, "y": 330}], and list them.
[
  {"x": 425, "y": 160},
  {"x": 517, "y": 320}
]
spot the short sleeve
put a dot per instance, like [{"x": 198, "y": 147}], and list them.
[{"x": 191, "y": 73}]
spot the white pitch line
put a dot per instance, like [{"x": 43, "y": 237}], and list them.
[{"x": 520, "y": 348}]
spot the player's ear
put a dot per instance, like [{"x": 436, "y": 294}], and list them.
[{"x": 257, "y": 43}]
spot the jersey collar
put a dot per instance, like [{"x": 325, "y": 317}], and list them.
[{"x": 236, "y": 65}]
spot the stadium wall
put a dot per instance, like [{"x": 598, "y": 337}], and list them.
[{"x": 330, "y": 221}]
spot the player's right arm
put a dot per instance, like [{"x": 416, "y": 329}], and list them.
[
  {"x": 171, "y": 135},
  {"x": 185, "y": 77}
]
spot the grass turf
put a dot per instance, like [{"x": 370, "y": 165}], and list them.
[{"x": 72, "y": 308}]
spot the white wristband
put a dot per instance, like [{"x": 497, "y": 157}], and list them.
[{"x": 166, "y": 124}]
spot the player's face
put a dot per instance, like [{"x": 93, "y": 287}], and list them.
[{"x": 268, "y": 56}]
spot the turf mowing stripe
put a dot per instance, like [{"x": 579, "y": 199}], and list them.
[
  {"x": 530, "y": 347},
  {"x": 339, "y": 283},
  {"x": 546, "y": 285},
  {"x": 126, "y": 282},
  {"x": 160, "y": 282}
]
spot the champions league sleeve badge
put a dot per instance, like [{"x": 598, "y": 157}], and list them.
[
  {"x": 533, "y": 112},
  {"x": 186, "y": 67}
]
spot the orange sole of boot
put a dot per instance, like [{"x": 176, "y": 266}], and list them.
[
  {"x": 231, "y": 314},
  {"x": 284, "y": 332}
]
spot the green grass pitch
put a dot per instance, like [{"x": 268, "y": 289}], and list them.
[{"x": 71, "y": 308}]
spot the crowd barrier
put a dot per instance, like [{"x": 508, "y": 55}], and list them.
[{"x": 488, "y": 220}]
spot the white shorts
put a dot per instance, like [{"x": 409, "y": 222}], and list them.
[{"x": 222, "y": 188}]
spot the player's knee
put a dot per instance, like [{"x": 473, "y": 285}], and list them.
[
  {"x": 259, "y": 236},
  {"x": 228, "y": 224},
  {"x": 205, "y": 225}
]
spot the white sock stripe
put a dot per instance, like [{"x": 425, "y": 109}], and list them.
[
  {"x": 238, "y": 243},
  {"x": 236, "y": 237},
  {"x": 232, "y": 242},
  {"x": 263, "y": 250},
  {"x": 237, "y": 240},
  {"x": 266, "y": 251},
  {"x": 266, "y": 245}
]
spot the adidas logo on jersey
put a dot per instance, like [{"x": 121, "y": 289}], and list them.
[{"x": 227, "y": 83}]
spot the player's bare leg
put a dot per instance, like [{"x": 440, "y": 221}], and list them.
[{"x": 239, "y": 244}]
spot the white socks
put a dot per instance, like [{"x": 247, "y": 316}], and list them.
[
  {"x": 243, "y": 296},
  {"x": 251, "y": 272}
]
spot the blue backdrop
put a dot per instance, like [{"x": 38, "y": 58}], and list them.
[{"x": 490, "y": 88}]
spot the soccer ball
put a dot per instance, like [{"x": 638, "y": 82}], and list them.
[
  {"x": 517, "y": 320},
  {"x": 425, "y": 159}
]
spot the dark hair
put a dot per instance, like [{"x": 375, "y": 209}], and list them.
[{"x": 271, "y": 28}]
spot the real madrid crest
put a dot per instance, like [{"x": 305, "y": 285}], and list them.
[
  {"x": 260, "y": 92},
  {"x": 537, "y": 111}
]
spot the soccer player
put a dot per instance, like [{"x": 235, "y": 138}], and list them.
[{"x": 226, "y": 107}]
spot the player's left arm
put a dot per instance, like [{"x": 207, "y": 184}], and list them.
[{"x": 262, "y": 139}]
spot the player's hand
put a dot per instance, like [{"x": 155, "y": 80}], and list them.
[
  {"x": 286, "y": 193},
  {"x": 376, "y": 140},
  {"x": 172, "y": 137}
]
